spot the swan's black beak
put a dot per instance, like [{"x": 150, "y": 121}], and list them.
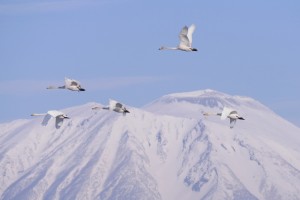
[
  {"x": 81, "y": 89},
  {"x": 193, "y": 49},
  {"x": 241, "y": 118},
  {"x": 125, "y": 111}
]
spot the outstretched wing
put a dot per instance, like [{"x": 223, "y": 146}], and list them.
[
  {"x": 67, "y": 81},
  {"x": 112, "y": 103},
  {"x": 58, "y": 122},
  {"x": 190, "y": 33},
  {"x": 232, "y": 122},
  {"x": 74, "y": 83},
  {"x": 233, "y": 112},
  {"x": 46, "y": 120},
  {"x": 71, "y": 82},
  {"x": 184, "y": 41},
  {"x": 55, "y": 113},
  {"x": 119, "y": 105},
  {"x": 226, "y": 111}
]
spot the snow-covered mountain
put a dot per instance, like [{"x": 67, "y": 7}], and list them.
[{"x": 165, "y": 150}]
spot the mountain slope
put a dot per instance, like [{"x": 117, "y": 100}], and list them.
[
  {"x": 166, "y": 150},
  {"x": 261, "y": 152}
]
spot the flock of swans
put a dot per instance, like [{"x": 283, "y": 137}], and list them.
[
  {"x": 74, "y": 85},
  {"x": 185, "y": 44}
]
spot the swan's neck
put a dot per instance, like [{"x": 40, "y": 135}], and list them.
[
  {"x": 38, "y": 114},
  {"x": 99, "y": 107},
  {"x": 209, "y": 114},
  {"x": 55, "y": 87},
  {"x": 168, "y": 48},
  {"x": 96, "y": 107}
]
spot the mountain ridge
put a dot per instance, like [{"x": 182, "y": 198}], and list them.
[{"x": 165, "y": 150}]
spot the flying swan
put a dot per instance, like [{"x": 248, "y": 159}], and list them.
[
  {"x": 114, "y": 106},
  {"x": 228, "y": 113},
  {"x": 185, "y": 38},
  {"x": 70, "y": 84},
  {"x": 59, "y": 117}
]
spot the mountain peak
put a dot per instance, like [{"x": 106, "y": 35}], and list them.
[
  {"x": 191, "y": 104},
  {"x": 196, "y": 93},
  {"x": 206, "y": 93}
]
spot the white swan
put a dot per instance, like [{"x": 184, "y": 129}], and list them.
[
  {"x": 114, "y": 106},
  {"x": 59, "y": 117},
  {"x": 185, "y": 38},
  {"x": 70, "y": 84},
  {"x": 228, "y": 113}
]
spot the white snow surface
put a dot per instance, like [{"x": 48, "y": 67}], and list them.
[{"x": 166, "y": 150}]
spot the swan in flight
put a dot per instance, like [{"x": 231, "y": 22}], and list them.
[
  {"x": 185, "y": 38},
  {"x": 59, "y": 117},
  {"x": 70, "y": 84},
  {"x": 228, "y": 113},
  {"x": 115, "y": 106}
]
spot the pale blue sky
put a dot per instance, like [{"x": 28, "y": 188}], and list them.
[{"x": 247, "y": 48}]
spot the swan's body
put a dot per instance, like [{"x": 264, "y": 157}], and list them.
[
  {"x": 70, "y": 84},
  {"x": 228, "y": 113},
  {"x": 59, "y": 117},
  {"x": 114, "y": 106},
  {"x": 185, "y": 38}
]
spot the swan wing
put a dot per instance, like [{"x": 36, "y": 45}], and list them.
[
  {"x": 55, "y": 113},
  {"x": 226, "y": 111},
  {"x": 184, "y": 41},
  {"x": 119, "y": 105},
  {"x": 74, "y": 83},
  {"x": 71, "y": 82},
  {"x": 190, "y": 33},
  {"x": 58, "y": 122},
  {"x": 67, "y": 81},
  {"x": 46, "y": 120},
  {"x": 233, "y": 112},
  {"x": 112, "y": 103},
  {"x": 232, "y": 122}
]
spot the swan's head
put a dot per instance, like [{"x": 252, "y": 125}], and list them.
[
  {"x": 125, "y": 110},
  {"x": 65, "y": 116},
  {"x": 80, "y": 88},
  {"x": 162, "y": 48}
]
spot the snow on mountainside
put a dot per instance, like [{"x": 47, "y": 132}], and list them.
[{"x": 166, "y": 150}]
